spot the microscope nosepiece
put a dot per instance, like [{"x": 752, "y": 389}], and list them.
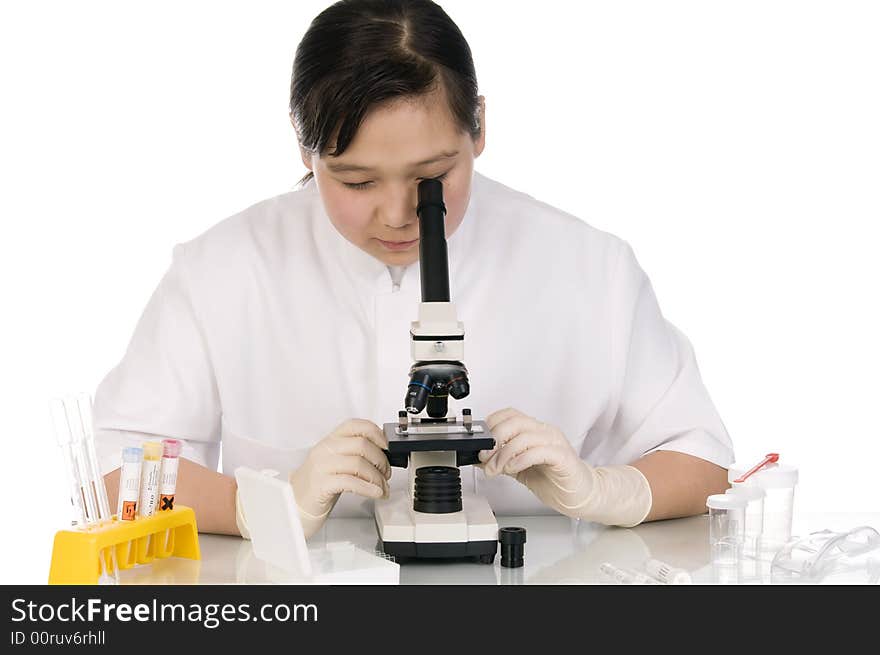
[
  {"x": 417, "y": 392},
  {"x": 460, "y": 389}
]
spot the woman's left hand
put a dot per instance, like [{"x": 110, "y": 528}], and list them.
[{"x": 539, "y": 456}]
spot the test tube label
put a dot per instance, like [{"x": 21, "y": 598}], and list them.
[
  {"x": 168, "y": 483},
  {"x": 129, "y": 510},
  {"x": 149, "y": 486},
  {"x": 129, "y": 487}
]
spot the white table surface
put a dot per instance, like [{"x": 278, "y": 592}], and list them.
[{"x": 558, "y": 551}]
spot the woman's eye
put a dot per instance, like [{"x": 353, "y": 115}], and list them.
[
  {"x": 360, "y": 186},
  {"x": 357, "y": 185}
]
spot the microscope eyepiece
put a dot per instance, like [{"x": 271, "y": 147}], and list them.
[
  {"x": 512, "y": 541},
  {"x": 433, "y": 259},
  {"x": 431, "y": 193}
]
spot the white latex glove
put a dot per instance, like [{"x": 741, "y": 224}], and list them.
[
  {"x": 348, "y": 459},
  {"x": 539, "y": 456}
]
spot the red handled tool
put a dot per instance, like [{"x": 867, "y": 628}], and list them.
[{"x": 770, "y": 458}]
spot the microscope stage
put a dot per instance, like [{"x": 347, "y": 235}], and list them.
[{"x": 438, "y": 436}]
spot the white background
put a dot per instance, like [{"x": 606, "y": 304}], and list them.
[{"x": 734, "y": 145}]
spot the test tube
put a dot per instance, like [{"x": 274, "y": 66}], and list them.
[
  {"x": 168, "y": 479},
  {"x": 168, "y": 473},
  {"x": 129, "y": 483},
  {"x": 149, "y": 495},
  {"x": 624, "y": 576}
]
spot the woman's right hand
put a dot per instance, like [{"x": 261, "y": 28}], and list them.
[{"x": 348, "y": 459}]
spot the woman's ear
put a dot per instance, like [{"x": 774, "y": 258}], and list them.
[
  {"x": 480, "y": 142},
  {"x": 306, "y": 158}
]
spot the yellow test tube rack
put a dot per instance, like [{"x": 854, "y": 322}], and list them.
[{"x": 76, "y": 554}]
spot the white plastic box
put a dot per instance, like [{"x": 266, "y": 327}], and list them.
[{"x": 277, "y": 537}]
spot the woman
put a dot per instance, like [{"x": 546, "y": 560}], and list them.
[{"x": 282, "y": 333}]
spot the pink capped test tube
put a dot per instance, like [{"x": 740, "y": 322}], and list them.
[{"x": 168, "y": 475}]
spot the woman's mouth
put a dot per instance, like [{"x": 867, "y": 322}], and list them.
[{"x": 397, "y": 246}]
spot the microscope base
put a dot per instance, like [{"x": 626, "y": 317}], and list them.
[
  {"x": 405, "y": 533},
  {"x": 484, "y": 550}
]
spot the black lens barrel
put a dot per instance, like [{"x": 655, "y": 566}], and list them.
[
  {"x": 438, "y": 490},
  {"x": 512, "y": 541}
]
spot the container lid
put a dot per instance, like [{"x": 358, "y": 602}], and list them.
[
  {"x": 747, "y": 491},
  {"x": 726, "y": 501},
  {"x": 772, "y": 476},
  {"x": 132, "y": 455},
  {"x": 152, "y": 450},
  {"x": 170, "y": 447}
]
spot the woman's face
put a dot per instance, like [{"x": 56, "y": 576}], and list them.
[{"x": 370, "y": 192}]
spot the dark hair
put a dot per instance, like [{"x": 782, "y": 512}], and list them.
[{"x": 358, "y": 54}]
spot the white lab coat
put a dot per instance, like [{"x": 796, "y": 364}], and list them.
[{"x": 271, "y": 329}]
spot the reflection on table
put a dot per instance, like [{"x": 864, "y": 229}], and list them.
[{"x": 558, "y": 550}]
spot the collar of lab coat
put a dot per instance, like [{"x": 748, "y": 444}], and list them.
[{"x": 372, "y": 275}]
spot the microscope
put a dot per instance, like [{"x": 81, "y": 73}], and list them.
[{"x": 434, "y": 517}]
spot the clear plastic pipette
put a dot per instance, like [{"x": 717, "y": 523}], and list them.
[
  {"x": 82, "y": 463},
  {"x": 64, "y": 439},
  {"x": 82, "y": 419},
  {"x": 84, "y": 403},
  {"x": 74, "y": 434}
]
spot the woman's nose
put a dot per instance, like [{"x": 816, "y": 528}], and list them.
[{"x": 399, "y": 207}]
